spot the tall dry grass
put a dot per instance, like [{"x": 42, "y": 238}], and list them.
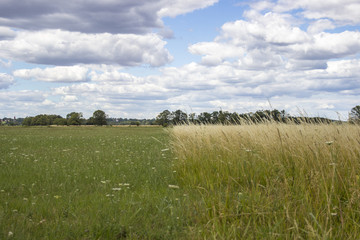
[{"x": 271, "y": 180}]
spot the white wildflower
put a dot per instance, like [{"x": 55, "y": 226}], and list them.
[
  {"x": 124, "y": 184},
  {"x": 174, "y": 186}
]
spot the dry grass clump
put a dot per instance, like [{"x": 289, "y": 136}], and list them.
[{"x": 270, "y": 180}]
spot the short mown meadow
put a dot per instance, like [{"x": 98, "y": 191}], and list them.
[{"x": 253, "y": 181}]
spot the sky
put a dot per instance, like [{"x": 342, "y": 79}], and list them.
[{"x": 136, "y": 58}]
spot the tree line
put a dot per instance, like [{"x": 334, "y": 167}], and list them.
[
  {"x": 73, "y": 118},
  {"x": 167, "y": 118}
]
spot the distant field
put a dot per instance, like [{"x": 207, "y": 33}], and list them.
[{"x": 266, "y": 181}]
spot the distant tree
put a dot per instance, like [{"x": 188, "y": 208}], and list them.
[
  {"x": 163, "y": 118},
  {"x": 40, "y": 120},
  {"x": 276, "y": 115},
  {"x": 235, "y": 118},
  {"x": 215, "y": 117},
  {"x": 53, "y": 117},
  {"x": 261, "y": 115},
  {"x": 99, "y": 117},
  {"x": 205, "y": 117},
  {"x": 178, "y": 117},
  {"x": 354, "y": 115},
  {"x": 192, "y": 117},
  {"x": 90, "y": 121},
  {"x": 224, "y": 117},
  {"x": 284, "y": 115},
  {"x": 27, "y": 121},
  {"x": 74, "y": 118},
  {"x": 137, "y": 123},
  {"x": 60, "y": 121}
]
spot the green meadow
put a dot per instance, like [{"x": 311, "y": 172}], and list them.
[
  {"x": 251, "y": 181},
  {"x": 88, "y": 183}
]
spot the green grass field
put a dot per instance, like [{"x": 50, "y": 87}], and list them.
[
  {"x": 264, "y": 181},
  {"x": 88, "y": 183}
]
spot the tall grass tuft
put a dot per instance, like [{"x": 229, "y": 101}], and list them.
[{"x": 270, "y": 180}]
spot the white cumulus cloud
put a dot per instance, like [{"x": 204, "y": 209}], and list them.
[
  {"x": 115, "y": 76},
  {"x": 172, "y": 8},
  {"x": 320, "y": 25},
  {"x": 274, "y": 40},
  {"x": 55, "y": 74},
  {"x": 5, "y": 80},
  {"x": 69, "y": 98},
  {"x": 22, "y": 97},
  {"x": 93, "y": 16},
  {"x": 342, "y": 11},
  {"x": 6, "y": 33},
  {"x": 59, "y": 47}
]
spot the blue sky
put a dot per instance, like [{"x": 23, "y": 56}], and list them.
[{"x": 138, "y": 58}]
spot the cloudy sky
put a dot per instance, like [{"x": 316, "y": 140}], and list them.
[{"x": 136, "y": 58}]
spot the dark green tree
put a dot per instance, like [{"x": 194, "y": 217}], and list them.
[
  {"x": 90, "y": 121},
  {"x": 53, "y": 117},
  {"x": 99, "y": 118},
  {"x": 235, "y": 118},
  {"x": 60, "y": 121},
  {"x": 224, "y": 117},
  {"x": 205, "y": 117},
  {"x": 178, "y": 117},
  {"x": 40, "y": 120},
  {"x": 354, "y": 115},
  {"x": 192, "y": 118},
  {"x": 276, "y": 115},
  {"x": 163, "y": 118},
  {"x": 27, "y": 121},
  {"x": 74, "y": 118},
  {"x": 215, "y": 117},
  {"x": 262, "y": 115},
  {"x": 137, "y": 123}
]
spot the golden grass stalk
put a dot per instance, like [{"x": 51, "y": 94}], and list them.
[{"x": 271, "y": 180}]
